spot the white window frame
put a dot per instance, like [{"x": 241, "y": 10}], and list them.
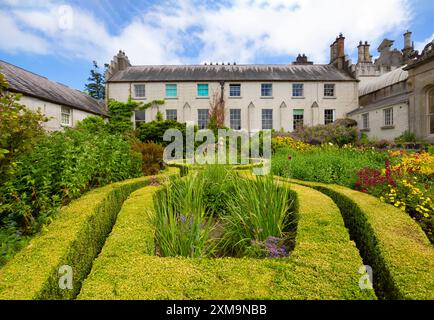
[
  {"x": 297, "y": 119},
  {"x": 266, "y": 120},
  {"x": 67, "y": 112},
  {"x": 388, "y": 120},
  {"x": 171, "y": 117},
  {"x": 365, "y": 121},
  {"x": 200, "y": 119},
  {"x": 333, "y": 116},
  {"x": 430, "y": 114},
  {"x": 300, "y": 88},
  {"x": 232, "y": 85},
  {"x": 138, "y": 121},
  {"x": 327, "y": 90},
  {"x": 235, "y": 120},
  {"x": 262, "y": 90},
  {"x": 135, "y": 86}
]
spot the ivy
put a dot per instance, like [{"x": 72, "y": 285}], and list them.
[{"x": 121, "y": 113}]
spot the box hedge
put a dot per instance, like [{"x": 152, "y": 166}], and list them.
[
  {"x": 389, "y": 241},
  {"x": 74, "y": 239},
  {"x": 323, "y": 265}
]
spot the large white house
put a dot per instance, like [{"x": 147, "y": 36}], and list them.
[
  {"x": 63, "y": 105},
  {"x": 279, "y": 97}
]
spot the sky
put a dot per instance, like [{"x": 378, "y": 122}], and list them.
[{"x": 60, "y": 39}]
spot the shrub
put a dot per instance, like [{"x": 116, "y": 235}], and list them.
[
  {"x": 323, "y": 265},
  {"x": 74, "y": 239},
  {"x": 389, "y": 241},
  {"x": 61, "y": 167},
  {"x": 152, "y": 156},
  {"x": 154, "y": 131},
  {"x": 406, "y": 136},
  {"x": 330, "y": 133},
  {"x": 20, "y": 129},
  {"x": 279, "y": 142}
]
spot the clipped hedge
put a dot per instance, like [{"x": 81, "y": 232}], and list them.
[
  {"x": 75, "y": 238},
  {"x": 324, "y": 264},
  {"x": 394, "y": 245}
]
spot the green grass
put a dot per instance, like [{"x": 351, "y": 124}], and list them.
[
  {"x": 389, "y": 240},
  {"x": 323, "y": 265},
  {"x": 75, "y": 238}
]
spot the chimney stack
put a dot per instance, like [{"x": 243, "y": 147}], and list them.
[
  {"x": 407, "y": 40},
  {"x": 368, "y": 57},
  {"x": 341, "y": 46},
  {"x": 361, "y": 52}
]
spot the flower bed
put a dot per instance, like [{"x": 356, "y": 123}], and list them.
[{"x": 323, "y": 265}]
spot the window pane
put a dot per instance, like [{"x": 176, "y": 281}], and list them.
[
  {"x": 267, "y": 119},
  {"x": 235, "y": 119},
  {"x": 329, "y": 116},
  {"x": 388, "y": 116},
  {"x": 172, "y": 114},
  {"x": 298, "y": 119},
  {"x": 266, "y": 90},
  {"x": 431, "y": 101},
  {"x": 365, "y": 121},
  {"x": 329, "y": 90},
  {"x": 65, "y": 116},
  {"x": 202, "y": 90},
  {"x": 431, "y": 122},
  {"x": 139, "y": 90},
  {"x": 202, "y": 118},
  {"x": 171, "y": 90},
  {"x": 234, "y": 90},
  {"x": 297, "y": 90}
]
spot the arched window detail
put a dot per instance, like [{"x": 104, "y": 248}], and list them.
[{"x": 431, "y": 111}]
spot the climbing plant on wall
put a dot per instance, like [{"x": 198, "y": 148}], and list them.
[{"x": 122, "y": 112}]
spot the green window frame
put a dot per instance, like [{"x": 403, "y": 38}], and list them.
[
  {"x": 202, "y": 90},
  {"x": 171, "y": 90}
]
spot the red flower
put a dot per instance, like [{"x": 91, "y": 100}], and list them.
[{"x": 289, "y": 158}]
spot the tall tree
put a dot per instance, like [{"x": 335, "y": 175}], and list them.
[{"x": 96, "y": 86}]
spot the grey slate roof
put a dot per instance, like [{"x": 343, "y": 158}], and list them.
[
  {"x": 383, "y": 103},
  {"x": 28, "y": 83},
  {"x": 386, "y": 80},
  {"x": 179, "y": 73}
]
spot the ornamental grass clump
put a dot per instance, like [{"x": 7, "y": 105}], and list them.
[
  {"x": 257, "y": 211},
  {"x": 182, "y": 226}
]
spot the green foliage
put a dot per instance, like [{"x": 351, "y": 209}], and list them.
[
  {"x": 389, "y": 241},
  {"x": 74, "y": 239},
  {"x": 61, "y": 167},
  {"x": 92, "y": 124},
  {"x": 330, "y": 133},
  {"x": 182, "y": 227},
  {"x": 20, "y": 129},
  {"x": 154, "y": 130},
  {"x": 121, "y": 113},
  {"x": 327, "y": 164},
  {"x": 431, "y": 149},
  {"x": 323, "y": 265},
  {"x": 159, "y": 116},
  {"x": 406, "y": 137},
  {"x": 152, "y": 156},
  {"x": 96, "y": 86},
  {"x": 257, "y": 211}
]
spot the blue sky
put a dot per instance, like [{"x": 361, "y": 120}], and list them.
[{"x": 59, "y": 39}]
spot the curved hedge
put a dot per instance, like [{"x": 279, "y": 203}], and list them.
[
  {"x": 75, "y": 238},
  {"x": 394, "y": 245},
  {"x": 324, "y": 264}
]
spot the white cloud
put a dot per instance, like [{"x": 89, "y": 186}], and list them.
[
  {"x": 243, "y": 32},
  {"x": 421, "y": 45}
]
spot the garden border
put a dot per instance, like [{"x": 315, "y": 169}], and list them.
[
  {"x": 127, "y": 268},
  {"x": 74, "y": 239},
  {"x": 394, "y": 245}
]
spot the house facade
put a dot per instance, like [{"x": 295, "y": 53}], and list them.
[
  {"x": 400, "y": 100},
  {"x": 62, "y": 105},
  {"x": 279, "y": 97}
]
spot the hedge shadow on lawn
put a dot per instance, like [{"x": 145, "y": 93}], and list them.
[
  {"x": 324, "y": 264},
  {"x": 75, "y": 238},
  {"x": 392, "y": 243}
]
